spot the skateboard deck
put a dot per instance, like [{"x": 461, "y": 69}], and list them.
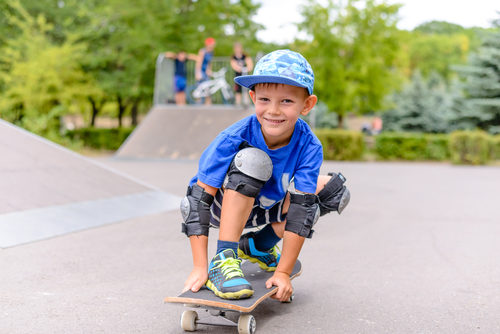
[{"x": 217, "y": 307}]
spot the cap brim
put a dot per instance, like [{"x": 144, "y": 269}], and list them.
[{"x": 249, "y": 81}]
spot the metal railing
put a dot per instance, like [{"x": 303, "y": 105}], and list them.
[{"x": 164, "y": 90}]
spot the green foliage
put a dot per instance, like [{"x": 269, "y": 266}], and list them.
[
  {"x": 352, "y": 52},
  {"x": 321, "y": 118},
  {"x": 495, "y": 147},
  {"x": 422, "y": 106},
  {"x": 341, "y": 144},
  {"x": 40, "y": 79},
  {"x": 430, "y": 53},
  {"x": 480, "y": 108},
  {"x": 116, "y": 43},
  {"x": 469, "y": 147},
  {"x": 99, "y": 138},
  {"x": 411, "y": 146}
]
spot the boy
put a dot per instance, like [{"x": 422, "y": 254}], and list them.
[
  {"x": 244, "y": 178},
  {"x": 241, "y": 64},
  {"x": 203, "y": 67},
  {"x": 180, "y": 74}
]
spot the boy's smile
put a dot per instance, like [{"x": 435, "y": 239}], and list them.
[{"x": 277, "y": 108}]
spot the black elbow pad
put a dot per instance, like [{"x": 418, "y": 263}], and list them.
[
  {"x": 302, "y": 214},
  {"x": 195, "y": 210}
]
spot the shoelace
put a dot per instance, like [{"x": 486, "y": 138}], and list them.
[
  {"x": 275, "y": 251},
  {"x": 230, "y": 267}
]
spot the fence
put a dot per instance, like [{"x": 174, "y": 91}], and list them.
[{"x": 164, "y": 80}]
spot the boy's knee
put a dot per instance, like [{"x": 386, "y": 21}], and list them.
[
  {"x": 249, "y": 171},
  {"x": 334, "y": 195}
]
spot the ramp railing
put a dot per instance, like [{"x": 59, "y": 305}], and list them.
[{"x": 164, "y": 92}]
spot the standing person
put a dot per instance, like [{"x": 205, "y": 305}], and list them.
[
  {"x": 180, "y": 74},
  {"x": 203, "y": 67},
  {"x": 242, "y": 64},
  {"x": 262, "y": 170}
]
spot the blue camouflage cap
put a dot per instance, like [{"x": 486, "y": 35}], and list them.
[{"x": 283, "y": 67}]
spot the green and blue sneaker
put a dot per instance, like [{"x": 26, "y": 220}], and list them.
[
  {"x": 267, "y": 260},
  {"x": 225, "y": 277}
]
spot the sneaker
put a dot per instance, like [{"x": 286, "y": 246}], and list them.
[
  {"x": 267, "y": 261},
  {"x": 225, "y": 277}
]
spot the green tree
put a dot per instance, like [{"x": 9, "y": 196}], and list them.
[
  {"x": 353, "y": 51},
  {"x": 422, "y": 106},
  {"x": 480, "y": 108},
  {"x": 123, "y": 59},
  {"x": 430, "y": 53},
  {"x": 40, "y": 79}
]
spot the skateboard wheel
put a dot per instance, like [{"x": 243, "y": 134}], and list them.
[
  {"x": 289, "y": 300},
  {"x": 246, "y": 324},
  {"x": 188, "y": 320}
]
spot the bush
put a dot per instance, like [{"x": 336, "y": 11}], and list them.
[
  {"x": 495, "y": 147},
  {"x": 98, "y": 138},
  {"x": 341, "y": 144},
  {"x": 470, "y": 147},
  {"x": 411, "y": 146}
]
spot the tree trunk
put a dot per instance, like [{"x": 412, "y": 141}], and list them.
[
  {"x": 134, "y": 111},
  {"x": 341, "y": 121},
  {"x": 121, "y": 109},
  {"x": 95, "y": 110}
]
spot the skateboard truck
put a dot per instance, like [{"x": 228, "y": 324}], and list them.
[{"x": 190, "y": 319}]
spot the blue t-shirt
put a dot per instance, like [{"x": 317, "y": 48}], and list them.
[
  {"x": 207, "y": 58},
  {"x": 301, "y": 159}
]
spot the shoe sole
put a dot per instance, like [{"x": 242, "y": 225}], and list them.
[
  {"x": 245, "y": 293},
  {"x": 261, "y": 264}
]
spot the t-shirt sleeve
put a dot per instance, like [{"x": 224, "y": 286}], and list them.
[
  {"x": 215, "y": 160},
  {"x": 307, "y": 171}
]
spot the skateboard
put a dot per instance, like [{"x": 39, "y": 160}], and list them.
[{"x": 214, "y": 310}]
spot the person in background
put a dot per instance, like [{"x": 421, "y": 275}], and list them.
[
  {"x": 377, "y": 125},
  {"x": 203, "y": 67},
  {"x": 242, "y": 64},
  {"x": 180, "y": 74}
]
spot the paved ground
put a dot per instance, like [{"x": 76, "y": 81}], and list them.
[{"x": 415, "y": 252}]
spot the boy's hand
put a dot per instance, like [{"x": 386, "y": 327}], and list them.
[
  {"x": 282, "y": 281},
  {"x": 196, "y": 279}
]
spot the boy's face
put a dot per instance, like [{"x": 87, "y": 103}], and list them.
[
  {"x": 181, "y": 56},
  {"x": 277, "y": 108}
]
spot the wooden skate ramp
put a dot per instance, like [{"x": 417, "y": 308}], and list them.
[{"x": 175, "y": 132}]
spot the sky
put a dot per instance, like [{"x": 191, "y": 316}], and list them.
[{"x": 280, "y": 16}]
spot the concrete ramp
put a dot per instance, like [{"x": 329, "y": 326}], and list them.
[
  {"x": 47, "y": 190},
  {"x": 173, "y": 132}
]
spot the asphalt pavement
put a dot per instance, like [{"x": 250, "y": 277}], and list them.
[{"x": 416, "y": 251}]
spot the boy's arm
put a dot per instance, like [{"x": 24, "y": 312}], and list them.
[
  {"x": 199, "y": 61},
  {"x": 171, "y": 55},
  {"x": 199, "y": 274},
  {"x": 249, "y": 63},
  {"x": 302, "y": 212},
  {"x": 292, "y": 244},
  {"x": 235, "y": 66},
  {"x": 192, "y": 56}
]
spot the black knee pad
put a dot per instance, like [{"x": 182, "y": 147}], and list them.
[
  {"x": 249, "y": 171},
  {"x": 195, "y": 210},
  {"x": 334, "y": 196},
  {"x": 302, "y": 214}
]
